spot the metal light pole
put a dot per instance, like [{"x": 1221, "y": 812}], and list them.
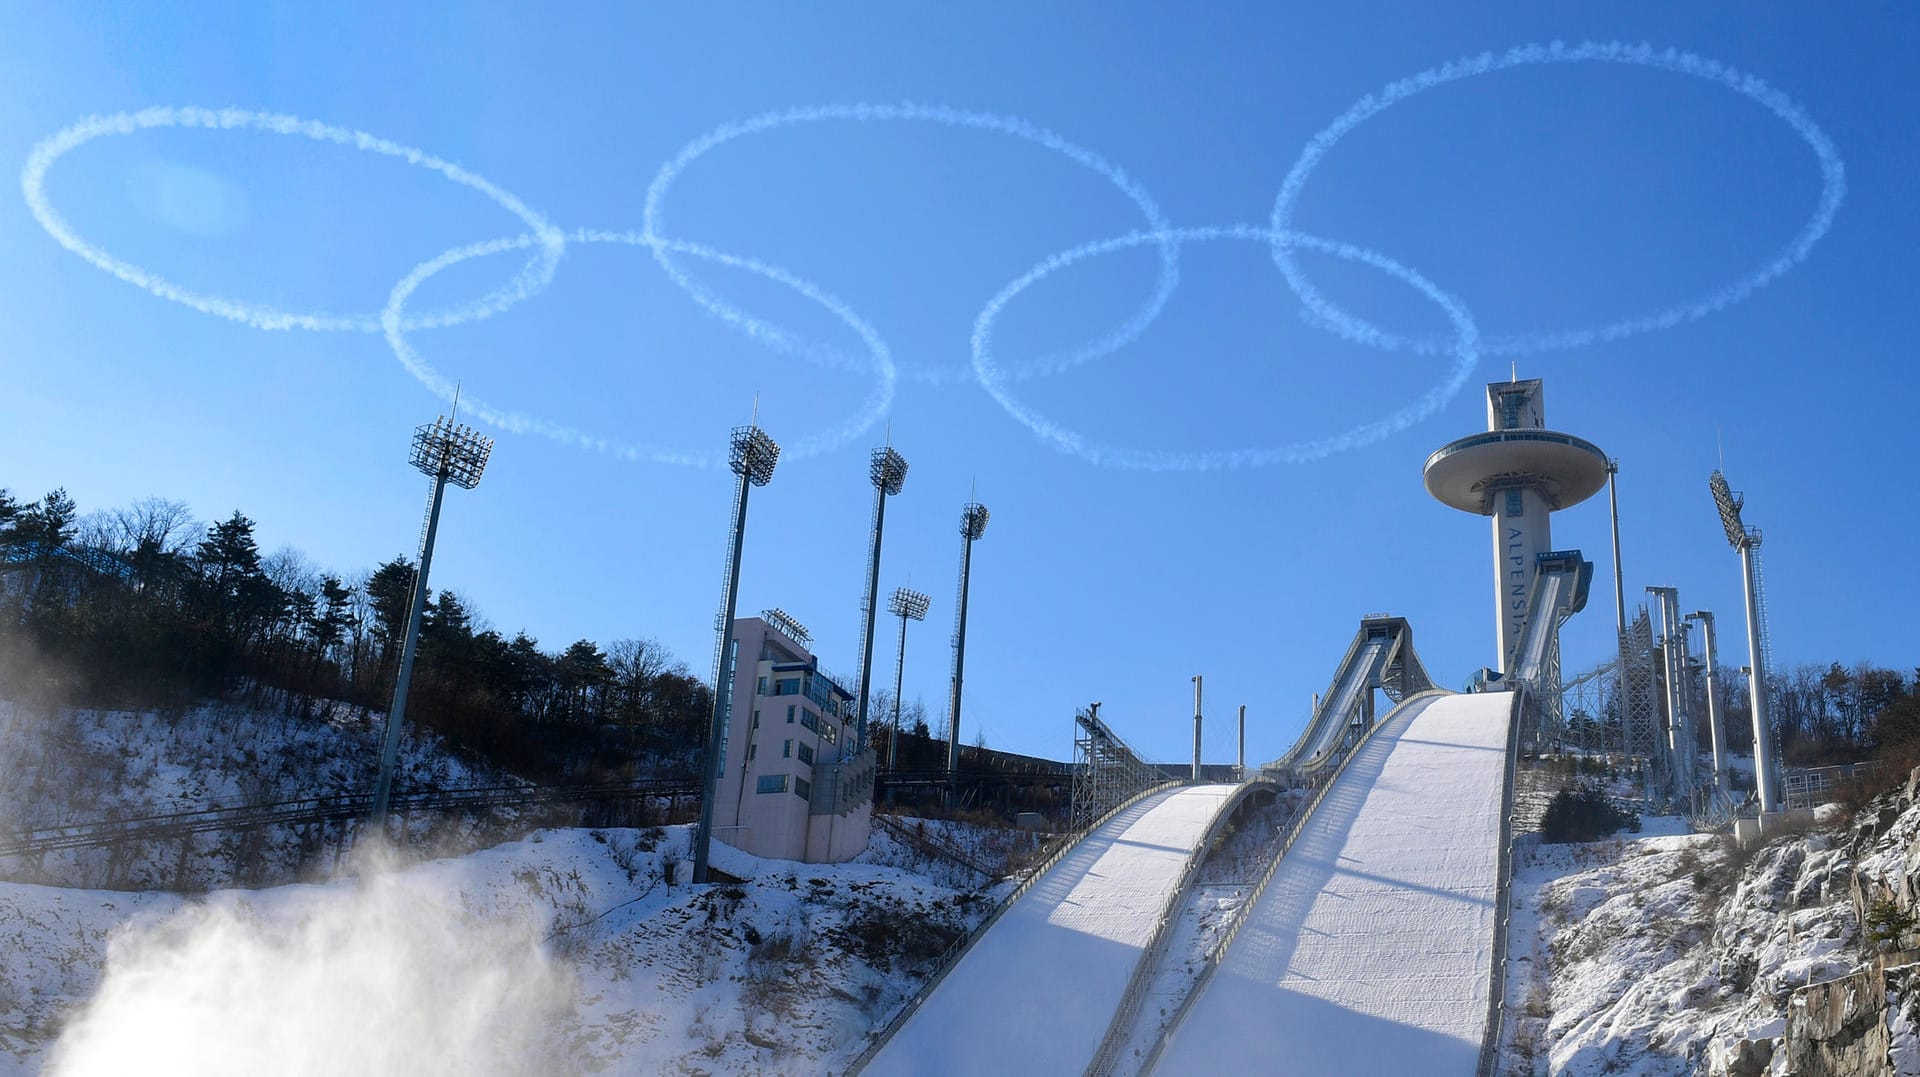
[
  {"x": 1241, "y": 772},
  {"x": 751, "y": 457},
  {"x": 1196, "y": 727},
  {"x": 888, "y": 471},
  {"x": 1713, "y": 701},
  {"x": 906, "y": 605},
  {"x": 446, "y": 452},
  {"x": 973, "y": 524},
  {"x": 1747, "y": 541},
  {"x": 1619, "y": 581}
]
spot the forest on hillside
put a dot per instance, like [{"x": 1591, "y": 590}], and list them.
[{"x": 146, "y": 608}]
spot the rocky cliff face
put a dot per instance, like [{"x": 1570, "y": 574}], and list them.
[
  {"x": 1686, "y": 954},
  {"x": 1658, "y": 954}
]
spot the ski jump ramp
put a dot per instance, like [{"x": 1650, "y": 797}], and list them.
[
  {"x": 1371, "y": 949},
  {"x": 1035, "y": 994}
]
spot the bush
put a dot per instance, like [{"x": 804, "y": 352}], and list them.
[{"x": 1584, "y": 814}]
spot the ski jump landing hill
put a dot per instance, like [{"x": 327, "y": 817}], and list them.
[{"x": 1371, "y": 945}]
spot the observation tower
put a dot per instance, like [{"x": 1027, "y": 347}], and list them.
[{"x": 1519, "y": 473}]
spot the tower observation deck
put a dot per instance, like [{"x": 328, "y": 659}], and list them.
[{"x": 1518, "y": 472}]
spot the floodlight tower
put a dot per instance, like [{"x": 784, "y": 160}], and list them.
[
  {"x": 446, "y": 452},
  {"x": 908, "y": 606},
  {"x": 1747, "y": 541},
  {"x": 1518, "y": 473},
  {"x": 973, "y": 524},
  {"x": 888, "y": 471},
  {"x": 751, "y": 456}
]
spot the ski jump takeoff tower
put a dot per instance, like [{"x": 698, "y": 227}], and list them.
[{"x": 1518, "y": 472}]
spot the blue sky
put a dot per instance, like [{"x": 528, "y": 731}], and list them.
[{"x": 1540, "y": 198}]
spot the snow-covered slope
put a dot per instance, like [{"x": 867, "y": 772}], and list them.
[
  {"x": 569, "y": 952},
  {"x": 1037, "y": 991},
  {"x": 71, "y": 766},
  {"x": 1371, "y": 949}
]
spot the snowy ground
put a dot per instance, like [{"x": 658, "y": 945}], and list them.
[
  {"x": 1635, "y": 955},
  {"x": 1035, "y": 994},
  {"x": 82, "y": 766},
  {"x": 568, "y": 952},
  {"x": 1226, "y": 880},
  {"x": 1371, "y": 949}
]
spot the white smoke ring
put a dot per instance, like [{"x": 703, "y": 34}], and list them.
[
  {"x": 1465, "y": 351},
  {"x": 535, "y": 276},
  {"x": 669, "y": 173},
  {"x": 878, "y": 401},
  {"x": 1832, "y": 173}
]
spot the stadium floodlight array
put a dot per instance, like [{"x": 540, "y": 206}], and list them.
[
  {"x": 454, "y": 451},
  {"x": 751, "y": 455},
  {"x": 887, "y": 470},
  {"x": 908, "y": 605},
  {"x": 783, "y": 623},
  {"x": 446, "y": 452},
  {"x": 973, "y": 524},
  {"x": 1747, "y": 540}
]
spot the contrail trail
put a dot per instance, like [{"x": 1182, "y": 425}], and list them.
[
  {"x": 669, "y": 173},
  {"x": 1832, "y": 172},
  {"x": 880, "y": 359},
  {"x": 1465, "y": 350},
  {"x": 531, "y": 279}
]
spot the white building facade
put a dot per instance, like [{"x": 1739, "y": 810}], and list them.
[{"x": 792, "y": 789}]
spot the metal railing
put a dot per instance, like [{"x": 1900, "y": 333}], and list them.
[
  {"x": 311, "y": 810},
  {"x": 1503, "y": 905},
  {"x": 932, "y": 846},
  {"x": 958, "y": 950}
]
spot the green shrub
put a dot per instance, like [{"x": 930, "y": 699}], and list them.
[{"x": 1585, "y": 813}]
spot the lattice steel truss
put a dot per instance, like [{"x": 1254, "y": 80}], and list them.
[
  {"x": 1548, "y": 710},
  {"x": 1638, "y": 698},
  {"x": 1105, "y": 770},
  {"x": 1589, "y": 701}
]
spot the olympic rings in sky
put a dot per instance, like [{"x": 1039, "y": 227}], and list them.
[
  {"x": 1465, "y": 350},
  {"x": 395, "y": 325},
  {"x": 1833, "y": 188},
  {"x": 669, "y": 174},
  {"x": 549, "y": 243},
  {"x": 532, "y": 278}
]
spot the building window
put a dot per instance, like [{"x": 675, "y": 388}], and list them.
[
  {"x": 756, "y": 718},
  {"x": 752, "y": 750},
  {"x": 1515, "y": 506},
  {"x": 803, "y": 788},
  {"x": 807, "y": 719},
  {"x": 789, "y": 714},
  {"x": 786, "y": 749},
  {"x": 762, "y": 689},
  {"x": 827, "y": 732},
  {"x": 1510, "y": 410},
  {"x": 787, "y": 686},
  {"x": 806, "y": 754},
  {"x": 771, "y": 783}
]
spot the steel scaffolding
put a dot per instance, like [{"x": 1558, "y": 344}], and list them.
[{"x": 1105, "y": 770}]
